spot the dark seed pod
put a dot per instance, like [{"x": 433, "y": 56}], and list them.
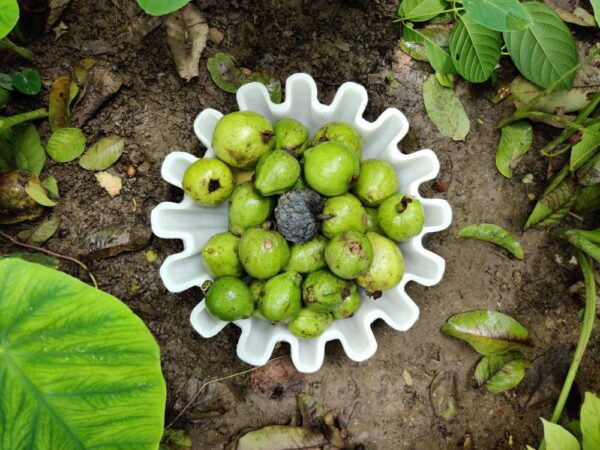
[{"x": 297, "y": 213}]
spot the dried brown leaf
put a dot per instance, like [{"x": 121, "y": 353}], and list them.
[
  {"x": 111, "y": 183},
  {"x": 111, "y": 241},
  {"x": 187, "y": 32},
  {"x": 443, "y": 395}
]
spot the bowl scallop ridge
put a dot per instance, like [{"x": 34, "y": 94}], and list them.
[{"x": 194, "y": 224}]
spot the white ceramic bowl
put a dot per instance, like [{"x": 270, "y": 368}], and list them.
[{"x": 194, "y": 224}]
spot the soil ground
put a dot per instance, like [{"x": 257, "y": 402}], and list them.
[{"x": 384, "y": 402}]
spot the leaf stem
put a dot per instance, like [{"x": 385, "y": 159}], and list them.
[
  {"x": 586, "y": 330},
  {"x": 215, "y": 380},
  {"x": 21, "y": 51},
  {"x": 51, "y": 253},
  {"x": 11, "y": 121},
  {"x": 540, "y": 115}
]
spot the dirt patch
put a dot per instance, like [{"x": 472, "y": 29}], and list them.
[{"x": 381, "y": 406}]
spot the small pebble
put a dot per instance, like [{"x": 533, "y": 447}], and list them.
[{"x": 215, "y": 35}]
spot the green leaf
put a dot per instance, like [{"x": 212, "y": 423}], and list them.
[
  {"x": 439, "y": 58},
  {"x": 589, "y": 174},
  {"x": 574, "y": 427},
  {"x": 9, "y": 16},
  {"x": 585, "y": 148},
  {"x": 553, "y": 204},
  {"x": 78, "y": 368},
  {"x": 515, "y": 142},
  {"x": 499, "y": 15},
  {"x": 545, "y": 52},
  {"x": 495, "y": 234},
  {"x": 499, "y": 373},
  {"x": 596, "y": 7},
  {"x": 420, "y": 10},
  {"x": 161, "y": 7},
  {"x": 52, "y": 187},
  {"x": 488, "y": 332},
  {"x": 35, "y": 257},
  {"x": 103, "y": 153},
  {"x": 587, "y": 199},
  {"x": 28, "y": 81},
  {"x": 557, "y": 438},
  {"x": 176, "y": 440},
  {"x": 274, "y": 437},
  {"x": 475, "y": 49},
  {"x": 445, "y": 109},
  {"x": 590, "y": 422},
  {"x": 37, "y": 192},
  {"x": 225, "y": 72},
  {"x": 6, "y": 81},
  {"x": 66, "y": 144},
  {"x": 29, "y": 153},
  {"x": 413, "y": 41},
  {"x": 42, "y": 232}
]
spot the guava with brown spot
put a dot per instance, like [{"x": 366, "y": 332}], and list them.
[
  {"x": 387, "y": 267},
  {"x": 15, "y": 204},
  {"x": 310, "y": 323},
  {"x": 401, "y": 217},
  {"x": 342, "y": 213},
  {"x": 372, "y": 221},
  {"x": 276, "y": 173},
  {"x": 291, "y": 136},
  {"x": 228, "y": 298},
  {"x": 247, "y": 208},
  {"x": 208, "y": 181},
  {"x": 339, "y": 132},
  {"x": 307, "y": 256},
  {"x": 323, "y": 291},
  {"x": 281, "y": 299},
  {"x": 263, "y": 253},
  {"x": 220, "y": 256},
  {"x": 349, "y": 254},
  {"x": 350, "y": 304},
  {"x": 240, "y": 138}
]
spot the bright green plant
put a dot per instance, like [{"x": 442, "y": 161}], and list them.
[
  {"x": 161, "y": 7},
  {"x": 9, "y": 16},
  {"x": 77, "y": 368}
]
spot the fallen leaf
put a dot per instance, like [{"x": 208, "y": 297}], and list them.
[
  {"x": 35, "y": 257},
  {"x": 29, "y": 153},
  {"x": 133, "y": 32},
  {"x": 37, "y": 192},
  {"x": 443, "y": 395},
  {"x": 114, "y": 240},
  {"x": 111, "y": 183},
  {"x": 102, "y": 83},
  {"x": 445, "y": 110},
  {"x": 587, "y": 200},
  {"x": 27, "y": 81},
  {"x": 310, "y": 411},
  {"x": 333, "y": 431},
  {"x": 545, "y": 377},
  {"x": 571, "y": 12},
  {"x": 56, "y": 8},
  {"x": 515, "y": 142},
  {"x": 278, "y": 437},
  {"x": 553, "y": 206},
  {"x": 488, "y": 332},
  {"x": 586, "y": 147},
  {"x": 589, "y": 174},
  {"x": 499, "y": 373},
  {"x": 59, "y": 30},
  {"x": 52, "y": 187},
  {"x": 66, "y": 144},
  {"x": 42, "y": 232},
  {"x": 277, "y": 378},
  {"x": 80, "y": 69},
  {"x": 58, "y": 103},
  {"x": 174, "y": 439},
  {"x": 15, "y": 203},
  {"x": 187, "y": 31},
  {"x": 103, "y": 154},
  {"x": 587, "y": 83}
]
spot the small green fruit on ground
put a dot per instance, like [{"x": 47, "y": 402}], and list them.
[
  {"x": 220, "y": 256},
  {"x": 387, "y": 267},
  {"x": 330, "y": 168},
  {"x": 281, "y": 299},
  {"x": 208, "y": 181},
  {"x": 340, "y": 132},
  {"x": 247, "y": 208},
  {"x": 229, "y": 298},
  {"x": 401, "y": 217},
  {"x": 276, "y": 172},
  {"x": 373, "y": 221},
  {"x": 263, "y": 253},
  {"x": 291, "y": 136},
  {"x": 343, "y": 213},
  {"x": 310, "y": 323},
  {"x": 308, "y": 256},
  {"x": 323, "y": 291},
  {"x": 349, "y": 305},
  {"x": 15, "y": 203},
  {"x": 241, "y": 138},
  {"x": 349, "y": 254},
  {"x": 377, "y": 181}
]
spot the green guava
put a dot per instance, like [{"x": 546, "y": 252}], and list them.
[
  {"x": 263, "y": 253},
  {"x": 220, "y": 256},
  {"x": 281, "y": 299},
  {"x": 387, "y": 267},
  {"x": 401, "y": 217},
  {"x": 310, "y": 323},
  {"x": 291, "y": 136},
  {"x": 376, "y": 182},
  {"x": 342, "y": 213},
  {"x": 349, "y": 305},
  {"x": 323, "y": 291},
  {"x": 349, "y": 254},
  {"x": 228, "y": 298},
  {"x": 208, "y": 181},
  {"x": 276, "y": 172},
  {"x": 247, "y": 208},
  {"x": 339, "y": 132},
  {"x": 331, "y": 168},
  {"x": 308, "y": 256}
]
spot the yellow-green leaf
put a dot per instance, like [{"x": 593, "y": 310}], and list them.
[
  {"x": 499, "y": 373},
  {"x": 590, "y": 422},
  {"x": 103, "y": 154},
  {"x": 557, "y": 438},
  {"x": 29, "y": 153},
  {"x": 420, "y": 10},
  {"x": 66, "y": 144},
  {"x": 495, "y": 234},
  {"x": 38, "y": 193},
  {"x": 52, "y": 187},
  {"x": 445, "y": 109},
  {"x": 586, "y": 147},
  {"x": 515, "y": 142}
]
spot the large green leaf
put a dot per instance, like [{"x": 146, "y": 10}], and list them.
[
  {"x": 499, "y": 373},
  {"x": 420, "y": 10},
  {"x": 586, "y": 147},
  {"x": 515, "y": 142},
  {"x": 103, "y": 154},
  {"x": 445, "y": 109},
  {"x": 429, "y": 44},
  {"x": 596, "y": 7},
  {"x": 557, "y": 438},
  {"x": 488, "y": 332},
  {"x": 77, "y": 368},
  {"x": 161, "y": 7},
  {"x": 544, "y": 52},
  {"x": 475, "y": 49},
  {"x": 590, "y": 422},
  {"x": 499, "y": 15},
  {"x": 495, "y": 234},
  {"x": 66, "y": 144},
  {"x": 29, "y": 153},
  {"x": 9, "y": 16}
]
